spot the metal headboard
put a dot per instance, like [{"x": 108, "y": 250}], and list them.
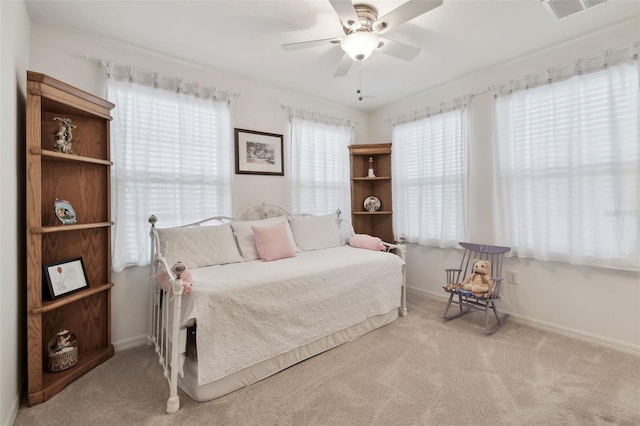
[{"x": 262, "y": 210}]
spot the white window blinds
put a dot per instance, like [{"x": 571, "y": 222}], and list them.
[
  {"x": 319, "y": 178},
  {"x": 171, "y": 154},
  {"x": 429, "y": 179},
  {"x": 569, "y": 169}
]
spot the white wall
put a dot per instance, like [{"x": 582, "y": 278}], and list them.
[
  {"x": 594, "y": 303},
  {"x": 61, "y": 54},
  {"x": 14, "y": 51}
]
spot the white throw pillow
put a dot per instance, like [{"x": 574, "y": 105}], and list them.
[
  {"x": 199, "y": 246},
  {"x": 316, "y": 232},
  {"x": 243, "y": 231}
]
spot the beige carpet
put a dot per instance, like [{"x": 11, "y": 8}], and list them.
[{"x": 416, "y": 371}]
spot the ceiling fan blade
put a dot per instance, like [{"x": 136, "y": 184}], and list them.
[
  {"x": 343, "y": 66},
  {"x": 347, "y": 13},
  {"x": 310, "y": 43},
  {"x": 398, "y": 50},
  {"x": 404, "y": 13}
]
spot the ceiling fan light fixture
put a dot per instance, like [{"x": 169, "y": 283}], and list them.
[{"x": 359, "y": 45}]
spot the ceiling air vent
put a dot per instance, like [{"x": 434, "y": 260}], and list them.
[{"x": 564, "y": 8}]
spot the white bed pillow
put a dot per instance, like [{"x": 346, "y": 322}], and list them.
[
  {"x": 316, "y": 232},
  {"x": 243, "y": 231},
  {"x": 199, "y": 246}
]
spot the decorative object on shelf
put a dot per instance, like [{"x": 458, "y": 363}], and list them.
[
  {"x": 371, "y": 174},
  {"x": 372, "y": 204},
  {"x": 65, "y": 277},
  {"x": 62, "y": 351},
  {"x": 259, "y": 153},
  {"x": 65, "y": 212},
  {"x": 64, "y": 138}
]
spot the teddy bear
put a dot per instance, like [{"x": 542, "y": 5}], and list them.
[{"x": 479, "y": 281}]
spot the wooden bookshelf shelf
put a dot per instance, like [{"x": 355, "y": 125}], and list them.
[
  {"x": 373, "y": 213},
  {"x": 82, "y": 179},
  {"x": 52, "y": 383},
  {"x": 55, "y": 304},
  {"x": 377, "y": 223},
  {"x": 371, "y": 178},
  {"x": 67, "y": 228},
  {"x": 58, "y": 156}
]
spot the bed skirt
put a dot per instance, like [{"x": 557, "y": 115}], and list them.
[{"x": 264, "y": 369}]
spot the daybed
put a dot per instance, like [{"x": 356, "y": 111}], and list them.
[{"x": 262, "y": 293}]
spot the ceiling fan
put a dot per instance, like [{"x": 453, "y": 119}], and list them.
[{"x": 363, "y": 28}]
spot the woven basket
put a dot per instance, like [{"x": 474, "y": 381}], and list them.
[{"x": 62, "y": 359}]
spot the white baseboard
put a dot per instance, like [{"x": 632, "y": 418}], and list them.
[
  {"x": 435, "y": 295},
  {"x": 554, "y": 328},
  {"x": 577, "y": 334},
  {"x": 130, "y": 343},
  {"x": 13, "y": 410}
]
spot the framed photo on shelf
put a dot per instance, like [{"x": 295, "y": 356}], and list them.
[
  {"x": 65, "y": 277},
  {"x": 259, "y": 153}
]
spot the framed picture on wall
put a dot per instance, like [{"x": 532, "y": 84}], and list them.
[{"x": 259, "y": 153}]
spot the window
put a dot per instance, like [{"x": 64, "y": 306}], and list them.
[
  {"x": 171, "y": 154},
  {"x": 319, "y": 178},
  {"x": 429, "y": 179},
  {"x": 568, "y": 169}
]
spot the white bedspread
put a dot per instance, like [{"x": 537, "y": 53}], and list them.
[{"x": 251, "y": 311}]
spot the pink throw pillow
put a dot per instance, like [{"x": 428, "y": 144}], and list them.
[
  {"x": 366, "y": 242},
  {"x": 272, "y": 242}
]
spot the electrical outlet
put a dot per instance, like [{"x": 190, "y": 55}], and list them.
[{"x": 512, "y": 276}]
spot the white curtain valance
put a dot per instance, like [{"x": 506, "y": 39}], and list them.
[
  {"x": 562, "y": 72},
  {"x": 579, "y": 66},
  {"x": 319, "y": 117},
  {"x": 156, "y": 79},
  {"x": 443, "y": 107}
]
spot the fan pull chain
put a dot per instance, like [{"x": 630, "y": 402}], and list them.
[{"x": 359, "y": 91}]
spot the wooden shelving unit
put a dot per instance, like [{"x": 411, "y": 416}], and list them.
[
  {"x": 378, "y": 223},
  {"x": 83, "y": 179}
]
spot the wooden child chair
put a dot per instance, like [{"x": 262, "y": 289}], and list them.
[{"x": 468, "y": 300}]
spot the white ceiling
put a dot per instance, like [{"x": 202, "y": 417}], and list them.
[{"x": 244, "y": 37}]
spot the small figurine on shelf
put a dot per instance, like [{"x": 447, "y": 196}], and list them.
[
  {"x": 64, "y": 212},
  {"x": 64, "y": 138},
  {"x": 372, "y": 204},
  {"x": 63, "y": 351},
  {"x": 62, "y": 342},
  {"x": 371, "y": 174}
]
